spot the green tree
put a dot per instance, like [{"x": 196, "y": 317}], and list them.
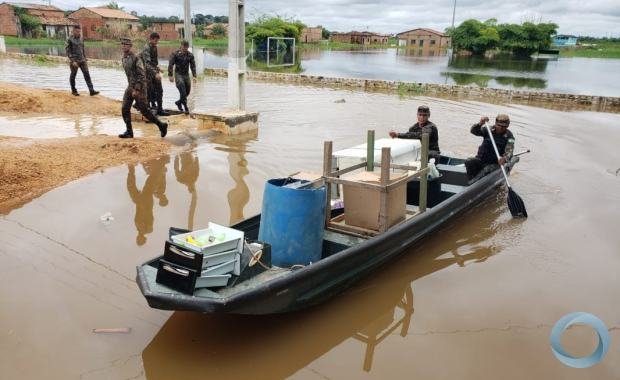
[
  {"x": 114, "y": 5},
  {"x": 523, "y": 40},
  {"x": 273, "y": 26},
  {"x": 325, "y": 34},
  {"x": 31, "y": 25},
  {"x": 218, "y": 31},
  {"x": 475, "y": 36}
]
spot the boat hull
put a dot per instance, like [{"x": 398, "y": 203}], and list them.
[{"x": 326, "y": 278}]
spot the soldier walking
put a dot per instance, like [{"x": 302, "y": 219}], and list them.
[
  {"x": 77, "y": 59},
  {"x": 155, "y": 90},
  {"x": 183, "y": 60},
  {"x": 136, "y": 91}
]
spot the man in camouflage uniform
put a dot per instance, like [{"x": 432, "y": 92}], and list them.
[
  {"x": 418, "y": 129},
  {"x": 155, "y": 90},
  {"x": 136, "y": 91},
  {"x": 486, "y": 160},
  {"x": 183, "y": 60},
  {"x": 74, "y": 48}
]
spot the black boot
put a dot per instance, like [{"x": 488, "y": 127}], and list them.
[
  {"x": 74, "y": 92},
  {"x": 178, "y": 103},
  {"x": 186, "y": 108},
  {"x": 128, "y": 134},
  {"x": 93, "y": 92},
  {"x": 160, "y": 110},
  {"x": 163, "y": 128}
]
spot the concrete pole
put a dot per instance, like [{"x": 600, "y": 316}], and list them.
[
  {"x": 187, "y": 24},
  {"x": 236, "y": 55},
  {"x": 453, "y": 13},
  {"x": 2, "y": 45}
]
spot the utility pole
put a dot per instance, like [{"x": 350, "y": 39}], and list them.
[
  {"x": 187, "y": 24},
  {"x": 236, "y": 55},
  {"x": 453, "y": 13}
]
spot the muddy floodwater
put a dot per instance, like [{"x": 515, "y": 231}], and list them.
[{"x": 476, "y": 300}]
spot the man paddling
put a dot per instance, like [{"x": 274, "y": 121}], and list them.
[{"x": 486, "y": 161}]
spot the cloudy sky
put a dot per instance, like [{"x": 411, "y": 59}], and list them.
[{"x": 595, "y": 17}]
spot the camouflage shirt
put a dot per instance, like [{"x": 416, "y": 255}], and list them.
[
  {"x": 183, "y": 62},
  {"x": 134, "y": 69},
  {"x": 74, "y": 47},
  {"x": 150, "y": 59},
  {"x": 416, "y": 132},
  {"x": 505, "y": 144}
]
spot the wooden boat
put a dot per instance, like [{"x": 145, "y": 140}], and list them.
[{"x": 346, "y": 258}]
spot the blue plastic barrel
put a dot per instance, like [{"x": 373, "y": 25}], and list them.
[{"x": 292, "y": 221}]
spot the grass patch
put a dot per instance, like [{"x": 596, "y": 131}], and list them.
[
  {"x": 606, "y": 49},
  {"x": 410, "y": 88}
]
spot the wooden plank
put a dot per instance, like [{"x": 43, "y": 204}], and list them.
[
  {"x": 347, "y": 170},
  {"x": 370, "y": 151},
  {"x": 345, "y": 228},
  {"x": 327, "y": 168},
  {"x": 408, "y": 178},
  {"x": 424, "y": 178},
  {"x": 383, "y": 196},
  {"x": 364, "y": 185}
]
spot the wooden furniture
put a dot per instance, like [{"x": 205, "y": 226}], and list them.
[{"x": 385, "y": 188}]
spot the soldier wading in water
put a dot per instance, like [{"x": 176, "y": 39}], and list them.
[{"x": 136, "y": 91}]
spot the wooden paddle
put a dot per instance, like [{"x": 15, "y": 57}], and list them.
[{"x": 515, "y": 203}]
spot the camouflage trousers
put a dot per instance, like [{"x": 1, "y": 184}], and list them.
[
  {"x": 84, "y": 67},
  {"x": 184, "y": 85}
]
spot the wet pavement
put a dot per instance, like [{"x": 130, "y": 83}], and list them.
[{"x": 475, "y": 300}]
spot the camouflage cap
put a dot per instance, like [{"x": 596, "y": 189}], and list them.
[
  {"x": 502, "y": 120},
  {"x": 126, "y": 41}
]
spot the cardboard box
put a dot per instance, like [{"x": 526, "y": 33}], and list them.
[{"x": 361, "y": 205}]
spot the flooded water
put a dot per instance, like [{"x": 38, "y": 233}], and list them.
[
  {"x": 585, "y": 76},
  {"x": 475, "y": 300}
]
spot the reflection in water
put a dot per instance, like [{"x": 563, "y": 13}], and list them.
[
  {"x": 426, "y": 51},
  {"x": 154, "y": 186},
  {"x": 235, "y": 145},
  {"x": 501, "y": 63},
  {"x": 482, "y": 80},
  {"x": 285, "y": 61},
  {"x": 199, "y": 346},
  {"x": 186, "y": 170}
]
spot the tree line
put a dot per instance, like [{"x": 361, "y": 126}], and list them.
[{"x": 519, "y": 39}]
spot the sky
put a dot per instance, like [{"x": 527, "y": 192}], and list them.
[{"x": 598, "y": 18}]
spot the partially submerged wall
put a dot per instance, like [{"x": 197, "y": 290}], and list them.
[{"x": 489, "y": 95}]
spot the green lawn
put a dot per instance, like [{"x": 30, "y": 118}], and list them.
[{"x": 605, "y": 49}]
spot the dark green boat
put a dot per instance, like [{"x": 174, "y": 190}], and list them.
[{"x": 345, "y": 258}]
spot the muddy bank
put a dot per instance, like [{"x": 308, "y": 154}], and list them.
[
  {"x": 30, "y": 100},
  {"x": 31, "y": 167}
]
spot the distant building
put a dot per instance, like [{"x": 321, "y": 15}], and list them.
[
  {"x": 362, "y": 38},
  {"x": 167, "y": 31},
  {"x": 180, "y": 27},
  {"x": 53, "y": 20},
  {"x": 423, "y": 38},
  {"x": 564, "y": 40},
  {"x": 311, "y": 35},
  {"x": 101, "y": 23}
]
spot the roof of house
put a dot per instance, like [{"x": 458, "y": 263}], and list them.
[
  {"x": 112, "y": 13},
  {"x": 35, "y": 6},
  {"x": 56, "y": 21},
  {"x": 425, "y": 30}
]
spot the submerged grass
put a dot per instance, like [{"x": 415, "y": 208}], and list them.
[{"x": 606, "y": 49}]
